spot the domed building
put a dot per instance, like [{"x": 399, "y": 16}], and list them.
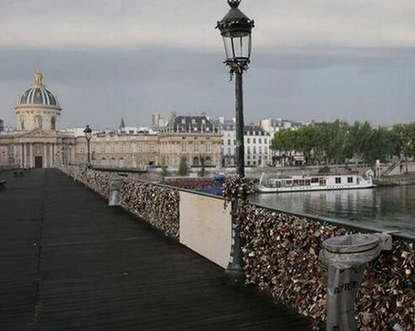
[
  {"x": 37, "y": 108},
  {"x": 36, "y": 141}
]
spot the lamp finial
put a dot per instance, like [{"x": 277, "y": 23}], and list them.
[{"x": 234, "y": 3}]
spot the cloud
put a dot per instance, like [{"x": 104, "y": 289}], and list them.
[
  {"x": 190, "y": 23},
  {"x": 312, "y": 59}
]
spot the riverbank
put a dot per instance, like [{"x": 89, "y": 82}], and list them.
[{"x": 406, "y": 179}]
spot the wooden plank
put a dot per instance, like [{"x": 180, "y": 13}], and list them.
[{"x": 73, "y": 263}]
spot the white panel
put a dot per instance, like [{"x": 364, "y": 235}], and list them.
[{"x": 205, "y": 227}]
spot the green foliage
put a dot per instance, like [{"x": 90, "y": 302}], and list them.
[
  {"x": 380, "y": 146},
  {"x": 183, "y": 168},
  {"x": 164, "y": 171},
  {"x": 405, "y": 139},
  {"x": 359, "y": 137},
  {"x": 202, "y": 171},
  {"x": 338, "y": 141},
  {"x": 284, "y": 141}
]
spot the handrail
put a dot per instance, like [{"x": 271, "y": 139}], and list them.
[{"x": 407, "y": 237}]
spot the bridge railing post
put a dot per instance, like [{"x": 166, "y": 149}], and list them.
[{"x": 114, "y": 199}]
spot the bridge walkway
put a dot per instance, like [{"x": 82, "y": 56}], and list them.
[{"x": 69, "y": 262}]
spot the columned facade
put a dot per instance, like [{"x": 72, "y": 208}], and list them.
[{"x": 35, "y": 141}]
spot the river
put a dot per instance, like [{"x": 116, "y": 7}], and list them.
[{"x": 390, "y": 208}]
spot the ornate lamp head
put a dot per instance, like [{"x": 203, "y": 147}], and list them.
[{"x": 236, "y": 29}]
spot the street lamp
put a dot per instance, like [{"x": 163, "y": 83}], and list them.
[
  {"x": 236, "y": 31},
  {"x": 88, "y": 136}
]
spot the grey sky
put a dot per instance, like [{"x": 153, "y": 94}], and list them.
[{"x": 312, "y": 59}]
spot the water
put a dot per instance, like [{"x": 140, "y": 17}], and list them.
[{"x": 390, "y": 208}]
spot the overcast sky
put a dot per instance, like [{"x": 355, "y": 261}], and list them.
[{"x": 312, "y": 59}]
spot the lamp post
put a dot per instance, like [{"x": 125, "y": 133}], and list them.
[
  {"x": 236, "y": 31},
  {"x": 88, "y": 136}
]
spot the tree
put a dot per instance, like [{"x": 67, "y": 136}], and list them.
[
  {"x": 358, "y": 140},
  {"x": 331, "y": 141},
  {"x": 283, "y": 141},
  {"x": 183, "y": 169},
  {"x": 164, "y": 171},
  {"x": 380, "y": 146},
  {"x": 405, "y": 140},
  {"x": 203, "y": 167},
  {"x": 305, "y": 140}
]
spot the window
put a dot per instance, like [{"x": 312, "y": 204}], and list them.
[
  {"x": 140, "y": 147},
  {"x": 350, "y": 180},
  {"x": 208, "y": 146},
  {"x": 183, "y": 146},
  {"x": 22, "y": 122},
  {"x": 249, "y": 150},
  {"x": 196, "y": 146},
  {"x": 259, "y": 150},
  {"x": 338, "y": 180},
  {"x": 254, "y": 141},
  {"x": 260, "y": 140},
  {"x": 53, "y": 124},
  {"x": 38, "y": 122},
  {"x": 229, "y": 142},
  {"x": 248, "y": 140}
]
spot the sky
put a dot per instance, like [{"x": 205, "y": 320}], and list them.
[{"x": 110, "y": 59}]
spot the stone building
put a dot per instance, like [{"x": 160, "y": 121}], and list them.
[
  {"x": 113, "y": 150},
  {"x": 256, "y": 142},
  {"x": 36, "y": 141},
  {"x": 272, "y": 125},
  {"x": 192, "y": 137}
]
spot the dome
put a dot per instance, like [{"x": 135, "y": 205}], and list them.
[{"x": 37, "y": 95}]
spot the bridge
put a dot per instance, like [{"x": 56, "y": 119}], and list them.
[{"x": 70, "y": 262}]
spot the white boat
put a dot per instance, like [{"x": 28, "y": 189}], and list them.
[{"x": 315, "y": 183}]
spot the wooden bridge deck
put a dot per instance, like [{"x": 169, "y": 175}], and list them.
[{"x": 69, "y": 262}]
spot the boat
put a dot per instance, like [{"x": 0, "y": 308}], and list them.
[{"x": 315, "y": 183}]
